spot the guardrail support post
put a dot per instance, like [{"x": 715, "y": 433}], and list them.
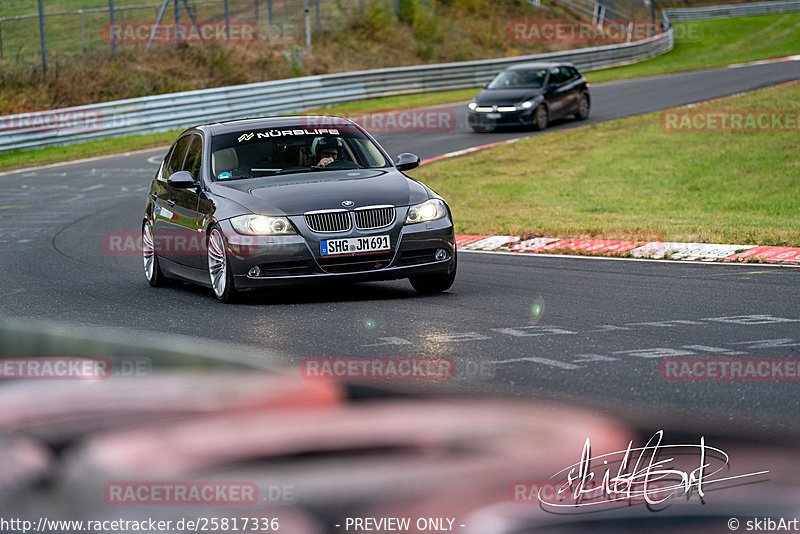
[
  {"x": 653, "y": 13},
  {"x": 227, "y": 21},
  {"x": 111, "y": 24},
  {"x": 194, "y": 21},
  {"x": 177, "y": 11},
  {"x": 83, "y": 32},
  {"x": 157, "y": 24},
  {"x": 269, "y": 14},
  {"x": 43, "y": 36},
  {"x": 308, "y": 26}
]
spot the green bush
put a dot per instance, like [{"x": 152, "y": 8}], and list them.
[
  {"x": 378, "y": 19},
  {"x": 407, "y": 11},
  {"x": 426, "y": 22}
]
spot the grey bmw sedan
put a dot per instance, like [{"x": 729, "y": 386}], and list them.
[{"x": 249, "y": 204}]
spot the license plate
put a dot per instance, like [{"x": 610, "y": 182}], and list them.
[
  {"x": 354, "y": 245},
  {"x": 493, "y": 115}
]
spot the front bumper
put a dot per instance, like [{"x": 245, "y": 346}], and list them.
[
  {"x": 522, "y": 117},
  {"x": 296, "y": 259}
]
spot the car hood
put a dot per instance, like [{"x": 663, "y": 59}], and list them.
[
  {"x": 323, "y": 190},
  {"x": 506, "y": 97}
]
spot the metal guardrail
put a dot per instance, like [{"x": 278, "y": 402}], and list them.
[
  {"x": 733, "y": 10},
  {"x": 180, "y": 110}
]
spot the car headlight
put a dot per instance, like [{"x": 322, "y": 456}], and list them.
[
  {"x": 262, "y": 225},
  {"x": 430, "y": 210},
  {"x": 472, "y": 106},
  {"x": 527, "y": 104}
]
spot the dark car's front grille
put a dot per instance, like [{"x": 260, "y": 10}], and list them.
[
  {"x": 328, "y": 221},
  {"x": 356, "y": 264},
  {"x": 374, "y": 217},
  {"x": 369, "y": 218}
]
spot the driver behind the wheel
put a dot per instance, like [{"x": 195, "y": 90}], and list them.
[{"x": 327, "y": 151}]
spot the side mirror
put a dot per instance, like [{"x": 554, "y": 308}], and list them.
[
  {"x": 407, "y": 161},
  {"x": 182, "y": 180}
]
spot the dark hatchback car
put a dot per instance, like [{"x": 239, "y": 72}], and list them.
[
  {"x": 254, "y": 203},
  {"x": 530, "y": 95}
]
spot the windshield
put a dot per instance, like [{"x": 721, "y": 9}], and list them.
[
  {"x": 292, "y": 149},
  {"x": 513, "y": 79}
]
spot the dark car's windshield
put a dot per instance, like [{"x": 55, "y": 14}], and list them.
[
  {"x": 520, "y": 78},
  {"x": 291, "y": 149}
]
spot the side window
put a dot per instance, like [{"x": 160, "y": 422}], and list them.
[
  {"x": 559, "y": 75},
  {"x": 176, "y": 159},
  {"x": 573, "y": 73},
  {"x": 555, "y": 77},
  {"x": 194, "y": 156}
]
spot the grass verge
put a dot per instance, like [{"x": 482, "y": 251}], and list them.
[
  {"x": 19, "y": 159},
  {"x": 715, "y": 43},
  {"x": 397, "y": 102},
  {"x": 630, "y": 179}
]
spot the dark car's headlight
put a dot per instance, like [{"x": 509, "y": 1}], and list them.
[
  {"x": 262, "y": 225},
  {"x": 472, "y": 106},
  {"x": 430, "y": 210}
]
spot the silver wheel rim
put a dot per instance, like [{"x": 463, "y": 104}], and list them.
[
  {"x": 148, "y": 251},
  {"x": 217, "y": 267},
  {"x": 584, "y": 106}
]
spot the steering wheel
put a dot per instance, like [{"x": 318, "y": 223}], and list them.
[{"x": 338, "y": 164}]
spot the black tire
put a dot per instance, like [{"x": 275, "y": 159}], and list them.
[
  {"x": 541, "y": 118},
  {"x": 223, "y": 284},
  {"x": 584, "y": 106},
  {"x": 152, "y": 272},
  {"x": 434, "y": 283}
]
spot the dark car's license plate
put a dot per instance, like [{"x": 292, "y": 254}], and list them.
[{"x": 354, "y": 245}]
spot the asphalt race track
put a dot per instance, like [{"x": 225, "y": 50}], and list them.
[{"x": 588, "y": 331}]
